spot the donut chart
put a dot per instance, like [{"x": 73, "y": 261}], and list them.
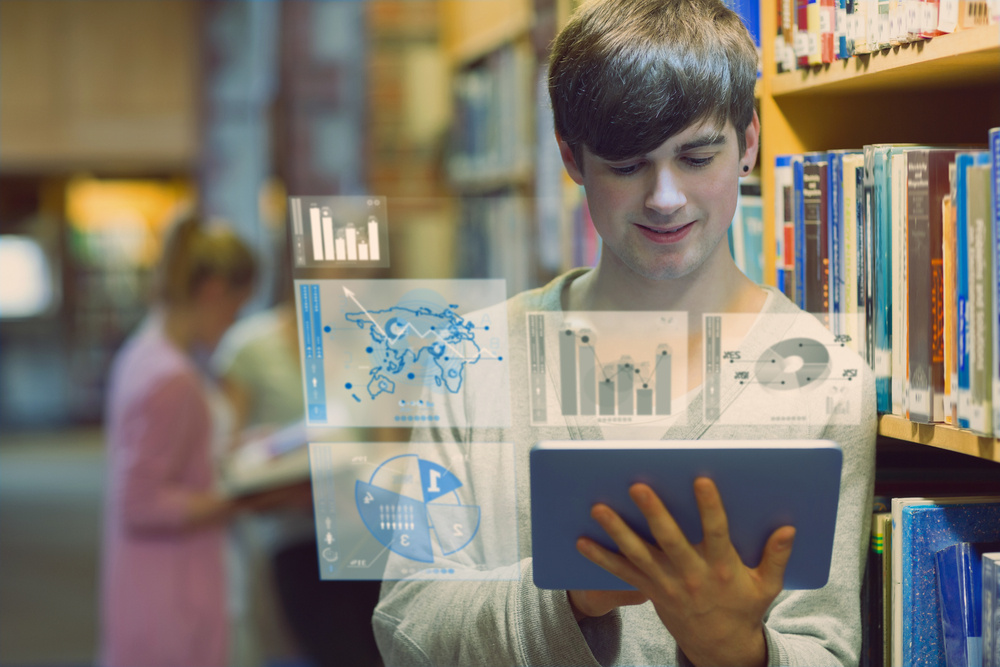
[
  {"x": 411, "y": 513},
  {"x": 793, "y": 364}
]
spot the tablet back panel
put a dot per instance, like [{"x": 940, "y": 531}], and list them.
[{"x": 765, "y": 484}]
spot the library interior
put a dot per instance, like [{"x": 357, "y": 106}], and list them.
[{"x": 873, "y": 205}]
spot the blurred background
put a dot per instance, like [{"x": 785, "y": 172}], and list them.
[{"x": 117, "y": 114}]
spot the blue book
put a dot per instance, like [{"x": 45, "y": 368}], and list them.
[
  {"x": 959, "y": 587},
  {"x": 925, "y": 530},
  {"x": 991, "y": 610},
  {"x": 963, "y": 161},
  {"x": 882, "y": 285},
  {"x": 799, "y": 235},
  {"x": 835, "y": 239},
  {"x": 994, "y": 144}
]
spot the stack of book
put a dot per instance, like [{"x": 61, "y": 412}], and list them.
[
  {"x": 905, "y": 238},
  {"x": 815, "y": 32},
  {"x": 931, "y": 588}
]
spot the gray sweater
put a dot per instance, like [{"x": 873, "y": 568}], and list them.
[{"x": 501, "y": 618}]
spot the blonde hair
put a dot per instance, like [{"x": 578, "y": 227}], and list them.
[{"x": 195, "y": 251}]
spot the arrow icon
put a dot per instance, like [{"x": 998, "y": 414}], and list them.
[{"x": 350, "y": 295}]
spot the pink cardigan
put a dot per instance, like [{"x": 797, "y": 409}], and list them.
[{"x": 163, "y": 589}]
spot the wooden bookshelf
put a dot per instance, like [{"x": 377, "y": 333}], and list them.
[
  {"x": 470, "y": 30},
  {"x": 957, "y": 60},
  {"x": 939, "y": 91},
  {"x": 944, "y": 90},
  {"x": 941, "y": 436}
]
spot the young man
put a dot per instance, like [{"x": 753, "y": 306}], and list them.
[{"x": 654, "y": 114}]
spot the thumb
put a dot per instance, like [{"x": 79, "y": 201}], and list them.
[{"x": 777, "y": 551}]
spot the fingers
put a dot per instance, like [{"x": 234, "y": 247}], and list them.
[
  {"x": 668, "y": 535},
  {"x": 777, "y": 551},
  {"x": 714, "y": 524},
  {"x": 635, "y": 556}
]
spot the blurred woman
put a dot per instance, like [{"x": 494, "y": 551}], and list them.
[{"x": 163, "y": 589}]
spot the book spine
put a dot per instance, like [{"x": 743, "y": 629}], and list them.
[
  {"x": 863, "y": 251},
  {"x": 835, "y": 240},
  {"x": 918, "y": 285},
  {"x": 827, "y": 28},
  {"x": 816, "y": 286},
  {"x": 980, "y": 276},
  {"x": 994, "y": 143},
  {"x": 881, "y": 293},
  {"x": 782, "y": 218},
  {"x": 800, "y": 259},
  {"x": 962, "y": 163},
  {"x": 991, "y": 610},
  {"x": 897, "y": 270},
  {"x": 938, "y": 187},
  {"x": 950, "y": 311}
]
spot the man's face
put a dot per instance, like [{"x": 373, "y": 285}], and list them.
[{"x": 664, "y": 214}]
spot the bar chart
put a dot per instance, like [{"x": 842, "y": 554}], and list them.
[
  {"x": 599, "y": 370},
  {"x": 339, "y": 231}
]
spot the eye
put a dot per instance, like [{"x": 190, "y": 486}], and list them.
[
  {"x": 698, "y": 162},
  {"x": 625, "y": 170}
]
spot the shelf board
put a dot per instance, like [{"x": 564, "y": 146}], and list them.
[
  {"x": 470, "y": 30},
  {"x": 941, "y": 436},
  {"x": 968, "y": 57}
]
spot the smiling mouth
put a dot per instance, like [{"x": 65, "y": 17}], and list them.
[{"x": 667, "y": 232}]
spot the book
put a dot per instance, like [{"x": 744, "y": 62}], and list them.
[
  {"x": 925, "y": 527},
  {"x": 959, "y": 590},
  {"x": 877, "y": 158},
  {"x": 963, "y": 161},
  {"x": 827, "y": 27},
  {"x": 994, "y": 150},
  {"x": 853, "y": 306},
  {"x": 980, "y": 303},
  {"x": 927, "y": 184},
  {"x": 815, "y": 257},
  {"x": 784, "y": 225},
  {"x": 991, "y": 609},
  {"x": 897, "y": 276},
  {"x": 950, "y": 311},
  {"x": 872, "y": 595}
]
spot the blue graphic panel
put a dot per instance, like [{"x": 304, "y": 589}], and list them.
[
  {"x": 454, "y": 525},
  {"x": 395, "y": 351},
  {"x": 397, "y": 522},
  {"x": 436, "y": 480}
]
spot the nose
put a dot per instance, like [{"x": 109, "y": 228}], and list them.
[{"x": 666, "y": 195}]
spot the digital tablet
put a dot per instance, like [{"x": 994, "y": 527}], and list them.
[{"x": 764, "y": 484}]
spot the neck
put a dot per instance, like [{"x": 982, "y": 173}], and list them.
[{"x": 720, "y": 288}]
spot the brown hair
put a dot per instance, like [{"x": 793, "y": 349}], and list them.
[
  {"x": 194, "y": 252},
  {"x": 626, "y": 75}
]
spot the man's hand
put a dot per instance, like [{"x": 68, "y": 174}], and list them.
[{"x": 711, "y": 602}]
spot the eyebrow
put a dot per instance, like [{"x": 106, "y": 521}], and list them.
[{"x": 701, "y": 142}]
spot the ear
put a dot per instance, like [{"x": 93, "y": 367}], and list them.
[
  {"x": 752, "y": 135},
  {"x": 569, "y": 161}
]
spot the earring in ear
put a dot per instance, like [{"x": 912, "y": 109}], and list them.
[{"x": 746, "y": 168}]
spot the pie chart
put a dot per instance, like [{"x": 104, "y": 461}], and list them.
[
  {"x": 793, "y": 364},
  {"x": 411, "y": 506}
]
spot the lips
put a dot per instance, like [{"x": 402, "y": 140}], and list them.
[{"x": 665, "y": 236}]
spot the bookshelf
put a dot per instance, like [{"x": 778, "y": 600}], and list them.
[{"x": 943, "y": 90}]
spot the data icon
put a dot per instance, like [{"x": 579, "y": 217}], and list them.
[
  {"x": 410, "y": 526},
  {"x": 397, "y": 510},
  {"x": 398, "y": 352}
]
